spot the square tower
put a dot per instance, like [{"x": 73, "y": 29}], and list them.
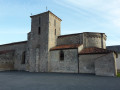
[{"x": 45, "y": 28}]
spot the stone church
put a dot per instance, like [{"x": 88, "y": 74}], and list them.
[{"x": 46, "y": 50}]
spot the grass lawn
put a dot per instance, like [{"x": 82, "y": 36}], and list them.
[{"x": 118, "y": 75}]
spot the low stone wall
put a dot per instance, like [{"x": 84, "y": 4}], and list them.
[
  {"x": 86, "y": 63},
  {"x": 106, "y": 65},
  {"x": 99, "y": 64}
]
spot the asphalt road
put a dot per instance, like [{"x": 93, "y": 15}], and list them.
[{"x": 55, "y": 81}]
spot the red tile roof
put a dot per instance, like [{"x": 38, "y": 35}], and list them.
[
  {"x": 6, "y": 51},
  {"x": 72, "y": 46},
  {"x": 95, "y": 50}
]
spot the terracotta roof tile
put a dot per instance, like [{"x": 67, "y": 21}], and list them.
[
  {"x": 6, "y": 51},
  {"x": 94, "y": 50},
  {"x": 72, "y": 46}
]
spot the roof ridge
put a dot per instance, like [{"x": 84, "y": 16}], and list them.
[
  {"x": 70, "y": 46},
  {"x": 14, "y": 43},
  {"x": 69, "y": 35}
]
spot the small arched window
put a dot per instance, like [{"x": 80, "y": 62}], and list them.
[
  {"x": 61, "y": 55},
  {"x": 23, "y": 57}
]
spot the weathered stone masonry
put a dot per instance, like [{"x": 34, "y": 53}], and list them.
[{"x": 46, "y": 50}]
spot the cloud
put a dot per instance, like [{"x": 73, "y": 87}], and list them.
[
  {"x": 106, "y": 9},
  {"x": 103, "y": 16}
]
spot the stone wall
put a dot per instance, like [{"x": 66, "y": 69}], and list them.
[
  {"x": 106, "y": 65},
  {"x": 99, "y": 64},
  {"x": 39, "y": 44},
  {"x": 116, "y": 49},
  {"x": 70, "y": 39},
  {"x": 80, "y": 48},
  {"x": 86, "y": 63},
  {"x": 104, "y": 38},
  {"x": 118, "y": 62},
  {"x": 94, "y": 40},
  {"x": 7, "y": 61},
  {"x": 68, "y": 65},
  {"x": 6, "y": 66},
  {"x": 19, "y": 48},
  {"x": 38, "y": 41},
  {"x": 54, "y": 30}
]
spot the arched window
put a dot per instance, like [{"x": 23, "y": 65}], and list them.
[
  {"x": 61, "y": 55},
  {"x": 23, "y": 57}
]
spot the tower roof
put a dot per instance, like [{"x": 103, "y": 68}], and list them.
[{"x": 46, "y": 12}]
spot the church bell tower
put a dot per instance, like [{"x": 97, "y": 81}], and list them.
[{"x": 45, "y": 28}]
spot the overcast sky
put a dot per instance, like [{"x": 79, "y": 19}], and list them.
[{"x": 77, "y": 16}]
